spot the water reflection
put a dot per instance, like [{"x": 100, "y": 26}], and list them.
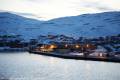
[{"x": 27, "y": 66}]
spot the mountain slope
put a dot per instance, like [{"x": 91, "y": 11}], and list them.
[
  {"x": 87, "y": 25},
  {"x": 12, "y": 23}
]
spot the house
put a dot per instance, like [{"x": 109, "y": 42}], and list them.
[
  {"x": 62, "y": 49},
  {"x": 99, "y": 52},
  {"x": 45, "y": 47}
]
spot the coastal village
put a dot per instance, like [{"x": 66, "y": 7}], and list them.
[{"x": 101, "y": 47}]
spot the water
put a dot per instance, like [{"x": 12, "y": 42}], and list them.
[{"x": 25, "y": 66}]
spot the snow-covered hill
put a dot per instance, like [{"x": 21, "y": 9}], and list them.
[
  {"x": 87, "y": 25},
  {"x": 13, "y": 24}
]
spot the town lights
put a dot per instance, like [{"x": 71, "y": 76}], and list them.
[
  {"x": 42, "y": 47},
  {"x": 77, "y": 46},
  {"x": 87, "y": 45},
  {"x": 66, "y": 45},
  {"x": 52, "y": 46}
]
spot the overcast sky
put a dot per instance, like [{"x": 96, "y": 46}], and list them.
[{"x": 48, "y": 9}]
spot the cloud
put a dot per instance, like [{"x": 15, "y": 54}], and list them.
[
  {"x": 26, "y": 14},
  {"x": 58, "y": 8},
  {"x": 98, "y": 6},
  {"x": 101, "y": 5}
]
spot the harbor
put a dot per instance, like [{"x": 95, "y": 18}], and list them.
[
  {"x": 77, "y": 56},
  {"x": 96, "y": 49}
]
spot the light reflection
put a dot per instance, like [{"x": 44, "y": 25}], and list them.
[
  {"x": 88, "y": 66},
  {"x": 50, "y": 68}
]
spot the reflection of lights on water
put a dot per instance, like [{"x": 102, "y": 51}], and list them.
[
  {"x": 102, "y": 63},
  {"x": 52, "y": 60},
  {"x": 88, "y": 67},
  {"x": 88, "y": 71}
]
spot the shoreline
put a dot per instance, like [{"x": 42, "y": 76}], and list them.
[
  {"x": 64, "y": 56},
  {"x": 76, "y": 57},
  {"x": 13, "y": 50}
]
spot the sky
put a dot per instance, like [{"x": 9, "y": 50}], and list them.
[{"x": 49, "y": 9}]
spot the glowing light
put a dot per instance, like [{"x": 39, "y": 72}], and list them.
[
  {"x": 77, "y": 46},
  {"x": 87, "y": 45},
  {"x": 42, "y": 47},
  {"x": 101, "y": 54},
  {"x": 52, "y": 46},
  {"x": 66, "y": 45}
]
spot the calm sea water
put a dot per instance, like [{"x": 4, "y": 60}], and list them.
[{"x": 25, "y": 66}]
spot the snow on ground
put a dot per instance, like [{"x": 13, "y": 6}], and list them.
[{"x": 86, "y": 25}]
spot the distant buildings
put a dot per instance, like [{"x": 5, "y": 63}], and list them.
[{"x": 101, "y": 46}]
